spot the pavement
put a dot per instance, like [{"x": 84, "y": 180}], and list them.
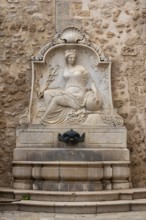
[{"x": 14, "y": 215}]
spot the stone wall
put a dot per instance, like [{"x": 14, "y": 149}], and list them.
[{"x": 118, "y": 27}]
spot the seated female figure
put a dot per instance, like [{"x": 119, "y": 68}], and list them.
[{"x": 75, "y": 96}]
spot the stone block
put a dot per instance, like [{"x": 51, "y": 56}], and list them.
[
  {"x": 22, "y": 172},
  {"x": 36, "y": 208},
  {"x": 9, "y": 207},
  {"x": 113, "y": 208},
  {"x": 137, "y": 195},
  {"x": 107, "y": 171},
  {"x": 138, "y": 207},
  {"x": 45, "y": 154},
  {"x": 73, "y": 173},
  {"x": 50, "y": 185},
  {"x": 120, "y": 185},
  {"x": 107, "y": 185},
  {"x": 106, "y": 138},
  {"x": 50, "y": 173},
  {"x": 71, "y": 186},
  {"x": 22, "y": 184},
  {"x": 121, "y": 172},
  {"x": 95, "y": 186},
  {"x": 36, "y": 172},
  {"x": 96, "y": 196},
  {"x": 125, "y": 196},
  {"x": 95, "y": 173},
  {"x": 73, "y": 209},
  {"x": 36, "y": 136}
]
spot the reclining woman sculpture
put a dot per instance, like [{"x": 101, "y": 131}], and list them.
[{"x": 76, "y": 96}]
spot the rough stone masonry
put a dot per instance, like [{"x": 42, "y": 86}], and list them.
[{"x": 118, "y": 27}]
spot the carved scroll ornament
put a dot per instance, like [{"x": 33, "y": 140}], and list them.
[
  {"x": 24, "y": 119},
  {"x": 111, "y": 117}
]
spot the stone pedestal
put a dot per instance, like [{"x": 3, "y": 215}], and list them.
[{"x": 42, "y": 162}]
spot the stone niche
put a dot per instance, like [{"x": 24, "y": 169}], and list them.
[{"x": 71, "y": 138}]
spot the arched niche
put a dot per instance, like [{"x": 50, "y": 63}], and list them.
[{"x": 48, "y": 69}]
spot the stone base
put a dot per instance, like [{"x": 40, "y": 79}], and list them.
[
  {"x": 42, "y": 162},
  {"x": 39, "y": 136},
  {"x": 71, "y": 176}
]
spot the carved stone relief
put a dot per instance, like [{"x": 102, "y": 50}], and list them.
[{"x": 71, "y": 83}]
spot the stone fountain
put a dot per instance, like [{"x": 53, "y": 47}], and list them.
[{"x": 71, "y": 138}]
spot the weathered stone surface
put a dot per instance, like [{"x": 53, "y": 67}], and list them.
[
  {"x": 16, "y": 51},
  {"x": 22, "y": 38},
  {"x": 49, "y": 216},
  {"x": 67, "y": 175},
  {"x": 37, "y": 136}
]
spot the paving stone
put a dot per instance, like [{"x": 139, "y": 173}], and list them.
[{"x": 46, "y": 216}]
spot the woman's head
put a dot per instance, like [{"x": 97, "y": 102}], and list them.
[{"x": 70, "y": 56}]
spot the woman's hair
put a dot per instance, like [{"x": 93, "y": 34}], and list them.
[{"x": 68, "y": 53}]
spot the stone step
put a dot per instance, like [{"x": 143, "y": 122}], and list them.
[
  {"x": 7, "y": 200},
  {"x": 73, "y": 202},
  {"x": 76, "y": 207},
  {"x": 81, "y": 196},
  {"x": 55, "y": 196}
]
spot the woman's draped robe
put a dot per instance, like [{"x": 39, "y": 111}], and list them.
[{"x": 62, "y": 103}]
